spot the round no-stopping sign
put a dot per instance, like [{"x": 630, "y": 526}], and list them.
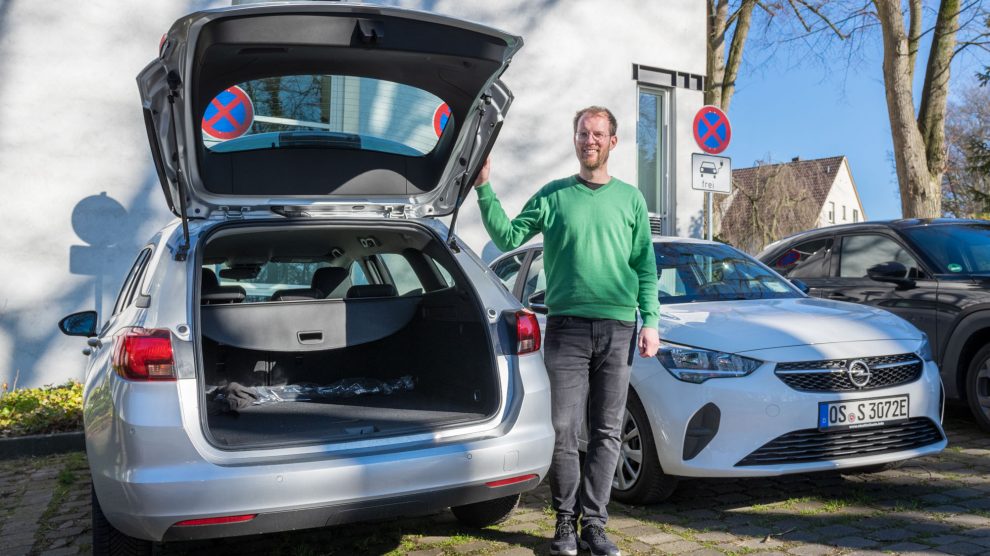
[
  {"x": 440, "y": 118},
  {"x": 712, "y": 130},
  {"x": 229, "y": 115}
]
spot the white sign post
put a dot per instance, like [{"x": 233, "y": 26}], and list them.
[{"x": 710, "y": 174}]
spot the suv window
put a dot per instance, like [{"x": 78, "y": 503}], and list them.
[
  {"x": 132, "y": 282},
  {"x": 805, "y": 260},
  {"x": 507, "y": 270},
  {"x": 954, "y": 248},
  {"x": 859, "y": 253}
]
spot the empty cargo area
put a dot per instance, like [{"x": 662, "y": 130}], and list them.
[{"x": 329, "y": 333}]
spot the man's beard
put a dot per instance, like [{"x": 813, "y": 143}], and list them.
[{"x": 595, "y": 164}]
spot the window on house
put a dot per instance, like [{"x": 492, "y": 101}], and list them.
[
  {"x": 651, "y": 152},
  {"x": 855, "y": 215},
  {"x": 831, "y": 212},
  {"x": 843, "y": 213}
]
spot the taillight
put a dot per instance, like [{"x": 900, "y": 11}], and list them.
[
  {"x": 512, "y": 480},
  {"x": 216, "y": 520},
  {"x": 142, "y": 354},
  {"x": 527, "y": 332}
]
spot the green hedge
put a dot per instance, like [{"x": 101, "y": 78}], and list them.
[{"x": 41, "y": 410}]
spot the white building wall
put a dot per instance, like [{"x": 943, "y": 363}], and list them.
[
  {"x": 81, "y": 194},
  {"x": 842, "y": 199}
]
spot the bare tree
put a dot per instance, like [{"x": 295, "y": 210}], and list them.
[
  {"x": 772, "y": 205},
  {"x": 966, "y": 185},
  {"x": 920, "y": 150}
]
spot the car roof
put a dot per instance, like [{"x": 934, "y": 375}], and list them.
[{"x": 898, "y": 224}]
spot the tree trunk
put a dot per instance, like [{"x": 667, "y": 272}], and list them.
[
  {"x": 717, "y": 19},
  {"x": 920, "y": 196}
]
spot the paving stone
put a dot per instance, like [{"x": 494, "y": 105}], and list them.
[
  {"x": 659, "y": 538},
  {"x": 854, "y": 542},
  {"x": 427, "y": 552},
  {"x": 891, "y": 534},
  {"x": 836, "y": 531},
  {"x": 905, "y": 547},
  {"x": 715, "y": 536},
  {"x": 635, "y": 547},
  {"x": 964, "y": 548},
  {"x": 431, "y": 540},
  {"x": 639, "y": 531},
  {"x": 470, "y": 547},
  {"x": 531, "y": 516},
  {"x": 680, "y": 547},
  {"x": 812, "y": 550},
  {"x": 968, "y": 520},
  {"x": 619, "y": 523},
  {"x": 706, "y": 552},
  {"x": 519, "y": 527},
  {"x": 936, "y": 498},
  {"x": 943, "y": 540}
]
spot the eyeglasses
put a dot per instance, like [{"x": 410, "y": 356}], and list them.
[{"x": 598, "y": 136}]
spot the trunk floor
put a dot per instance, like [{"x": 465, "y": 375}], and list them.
[{"x": 288, "y": 422}]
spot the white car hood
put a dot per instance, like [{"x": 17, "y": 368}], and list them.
[{"x": 750, "y": 325}]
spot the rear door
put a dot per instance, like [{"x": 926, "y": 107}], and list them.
[{"x": 856, "y": 253}]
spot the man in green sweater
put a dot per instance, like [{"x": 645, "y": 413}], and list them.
[{"x": 600, "y": 268}]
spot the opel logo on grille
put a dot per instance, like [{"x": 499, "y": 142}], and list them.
[{"x": 859, "y": 373}]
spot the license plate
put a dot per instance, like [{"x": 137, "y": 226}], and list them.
[{"x": 854, "y": 414}]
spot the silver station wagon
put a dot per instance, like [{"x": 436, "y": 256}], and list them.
[{"x": 307, "y": 345}]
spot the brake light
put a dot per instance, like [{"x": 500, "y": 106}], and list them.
[
  {"x": 143, "y": 354},
  {"x": 216, "y": 520},
  {"x": 527, "y": 332}
]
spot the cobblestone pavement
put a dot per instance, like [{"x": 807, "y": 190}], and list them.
[{"x": 934, "y": 505}]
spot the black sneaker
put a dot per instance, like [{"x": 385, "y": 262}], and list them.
[
  {"x": 593, "y": 538},
  {"x": 564, "y": 541}
]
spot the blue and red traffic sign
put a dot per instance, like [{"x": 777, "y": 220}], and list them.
[
  {"x": 440, "y": 118},
  {"x": 712, "y": 130},
  {"x": 229, "y": 115}
]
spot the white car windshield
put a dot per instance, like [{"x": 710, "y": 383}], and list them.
[{"x": 689, "y": 272}]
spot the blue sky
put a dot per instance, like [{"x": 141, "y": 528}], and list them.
[{"x": 787, "y": 108}]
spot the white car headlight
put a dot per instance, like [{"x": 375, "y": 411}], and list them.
[
  {"x": 698, "y": 365},
  {"x": 925, "y": 349}
]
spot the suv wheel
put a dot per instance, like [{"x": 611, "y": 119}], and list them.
[
  {"x": 639, "y": 479},
  {"x": 978, "y": 387},
  {"x": 107, "y": 540},
  {"x": 489, "y": 512}
]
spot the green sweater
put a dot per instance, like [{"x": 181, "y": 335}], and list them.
[{"x": 597, "y": 250}]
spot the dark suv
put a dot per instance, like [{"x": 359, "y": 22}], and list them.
[{"x": 934, "y": 273}]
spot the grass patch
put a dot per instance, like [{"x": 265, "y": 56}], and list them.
[{"x": 44, "y": 410}]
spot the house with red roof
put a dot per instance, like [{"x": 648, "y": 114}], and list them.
[{"x": 771, "y": 201}]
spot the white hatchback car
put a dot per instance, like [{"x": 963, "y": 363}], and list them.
[{"x": 754, "y": 378}]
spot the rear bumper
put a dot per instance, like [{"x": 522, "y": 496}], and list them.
[
  {"x": 149, "y": 473},
  {"x": 421, "y": 503}
]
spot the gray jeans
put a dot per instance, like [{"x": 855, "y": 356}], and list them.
[{"x": 588, "y": 361}]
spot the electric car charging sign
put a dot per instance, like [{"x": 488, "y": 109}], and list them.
[{"x": 229, "y": 115}]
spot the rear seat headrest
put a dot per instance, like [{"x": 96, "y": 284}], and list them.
[
  {"x": 212, "y": 293},
  {"x": 327, "y": 279},
  {"x": 371, "y": 290}
]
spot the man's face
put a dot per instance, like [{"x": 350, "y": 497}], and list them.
[{"x": 592, "y": 141}]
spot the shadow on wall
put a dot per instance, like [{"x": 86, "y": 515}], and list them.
[
  {"x": 101, "y": 222},
  {"x": 5, "y": 11},
  {"x": 696, "y": 227}
]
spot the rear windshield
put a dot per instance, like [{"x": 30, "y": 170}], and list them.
[
  {"x": 324, "y": 111},
  {"x": 955, "y": 248},
  {"x": 689, "y": 272}
]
